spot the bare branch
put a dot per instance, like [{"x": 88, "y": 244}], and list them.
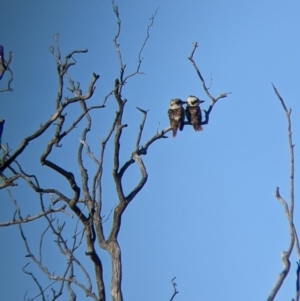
[
  {"x": 143, "y": 180},
  {"x": 289, "y": 209},
  {"x": 80, "y": 117},
  {"x": 37, "y": 283},
  {"x": 175, "y": 289},
  {"x": 69, "y": 254},
  {"x": 119, "y": 128},
  {"x": 281, "y": 99},
  {"x": 143, "y": 149},
  {"x": 45, "y": 270},
  {"x": 8, "y": 181},
  {"x": 195, "y": 45},
  {"x": 140, "y": 59},
  {"x": 138, "y": 140},
  {"x": 32, "y": 218},
  {"x": 89, "y": 152},
  {"x": 98, "y": 174},
  {"x": 83, "y": 171},
  {"x": 44, "y": 127},
  {"x": 147, "y": 38},
  {"x": 213, "y": 99},
  {"x": 117, "y": 45},
  {"x": 97, "y": 183}
]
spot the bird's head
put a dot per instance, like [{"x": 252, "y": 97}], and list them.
[
  {"x": 176, "y": 103},
  {"x": 193, "y": 101}
]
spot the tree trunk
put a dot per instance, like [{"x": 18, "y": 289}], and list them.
[{"x": 116, "y": 279}]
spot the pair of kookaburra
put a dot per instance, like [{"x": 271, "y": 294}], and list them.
[{"x": 192, "y": 112}]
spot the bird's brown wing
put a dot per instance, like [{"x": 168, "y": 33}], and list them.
[
  {"x": 175, "y": 116},
  {"x": 195, "y": 117}
]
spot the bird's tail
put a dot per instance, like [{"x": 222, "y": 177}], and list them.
[
  {"x": 174, "y": 132},
  {"x": 198, "y": 127}
]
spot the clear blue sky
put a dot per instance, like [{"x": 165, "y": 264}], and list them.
[{"x": 208, "y": 214}]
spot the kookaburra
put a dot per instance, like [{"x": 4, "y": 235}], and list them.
[
  {"x": 193, "y": 112},
  {"x": 176, "y": 115}
]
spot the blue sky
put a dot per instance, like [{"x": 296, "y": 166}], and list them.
[{"x": 208, "y": 214}]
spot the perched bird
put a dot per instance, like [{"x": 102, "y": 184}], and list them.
[
  {"x": 176, "y": 115},
  {"x": 1, "y": 129},
  {"x": 2, "y": 66},
  {"x": 193, "y": 112}
]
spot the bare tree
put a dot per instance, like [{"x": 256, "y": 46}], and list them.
[
  {"x": 84, "y": 199},
  {"x": 75, "y": 219}
]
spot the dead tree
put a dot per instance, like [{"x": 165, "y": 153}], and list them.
[{"x": 82, "y": 206}]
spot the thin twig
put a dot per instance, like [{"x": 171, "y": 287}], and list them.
[{"x": 175, "y": 289}]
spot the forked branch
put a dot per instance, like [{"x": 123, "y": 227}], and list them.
[
  {"x": 205, "y": 88},
  {"x": 45, "y": 126},
  {"x": 175, "y": 288},
  {"x": 122, "y": 77}
]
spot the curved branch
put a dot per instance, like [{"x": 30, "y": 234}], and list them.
[
  {"x": 143, "y": 180},
  {"x": 143, "y": 149}
]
